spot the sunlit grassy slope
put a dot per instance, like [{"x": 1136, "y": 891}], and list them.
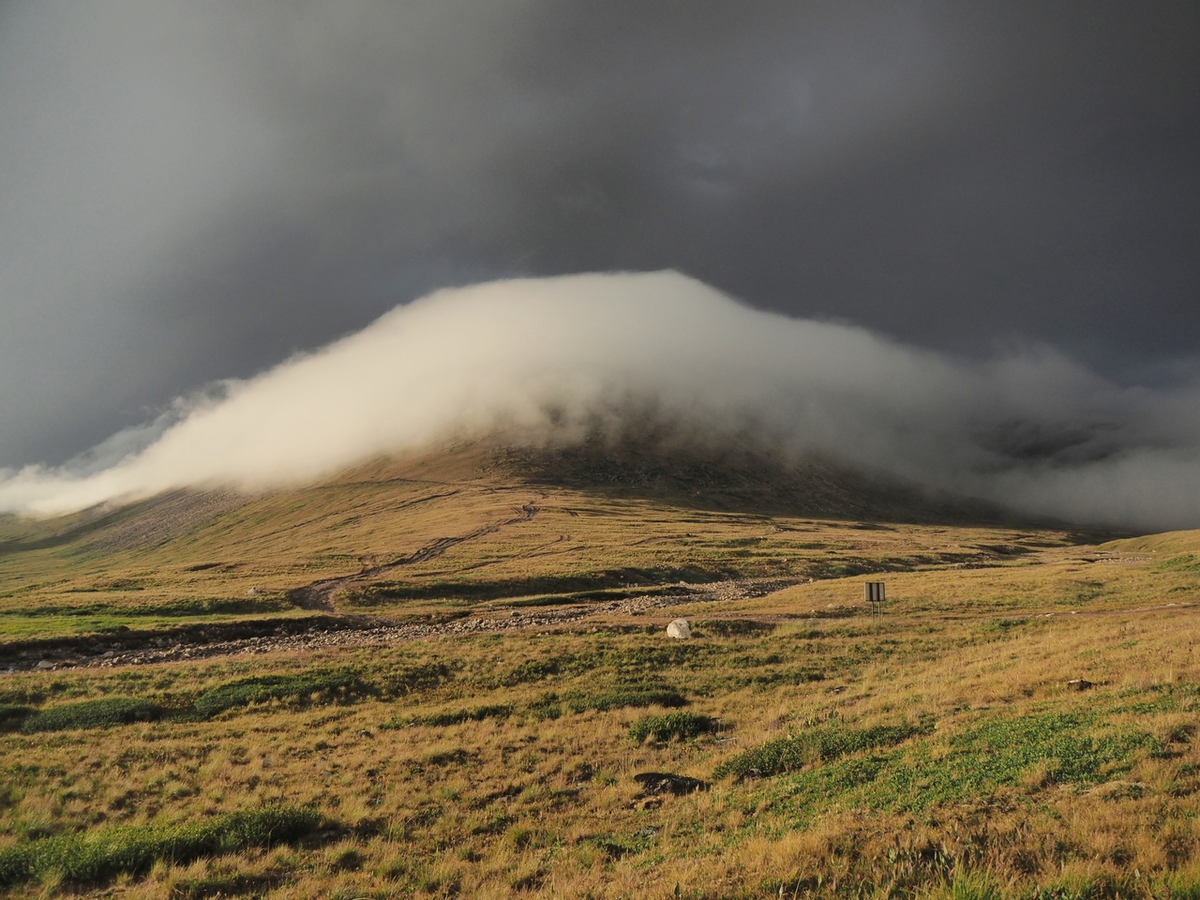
[
  {"x": 1020, "y": 722},
  {"x": 210, "y": 556}
]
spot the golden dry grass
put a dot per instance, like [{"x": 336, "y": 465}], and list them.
[{"x": 1014, "y": 785}]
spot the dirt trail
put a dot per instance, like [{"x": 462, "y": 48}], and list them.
[
  {"x": 331, "y": 631},
  {"x": 328, "y": 629},
  {"x": 319, "y": 594}
]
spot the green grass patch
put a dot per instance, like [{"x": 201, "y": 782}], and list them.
[
  {"x": 999, "y": 628},
  {"x": 763, "y": 678},
  {"x": 92, "y": 714},
  {"x": 1186, "y": 562},
  {"x": 672, "y": 726},
  {"x": 199, "y": 606},
  {"x": 623, "y": 696},
  {"x": 640, "y": 662},
  {"x": 410, "y": 679},
  {"x": 591, "y": 585},
  {"x": 1001, "y": 752},
  {"x": 588, "y": 596},
  {"x": 98, "y": 856},
  {"x": 1055, "y": 748},
  {"x": 338, "y": 686},
  {"x": 530, "y": 670},
  {"x": 458, "y": 717},
  {"x": 819, "y": 744}
]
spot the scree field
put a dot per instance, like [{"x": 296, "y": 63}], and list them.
[{"x": 452, "y": 678}]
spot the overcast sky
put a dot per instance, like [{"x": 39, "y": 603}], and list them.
[{"x": 194, "y": 191}]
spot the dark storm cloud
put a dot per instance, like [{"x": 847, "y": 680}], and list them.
[{"x": 192, "y": 192}]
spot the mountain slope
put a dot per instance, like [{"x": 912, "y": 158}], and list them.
[{"x": 485, "y": 521}]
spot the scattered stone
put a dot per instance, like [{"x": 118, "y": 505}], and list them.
[
  {"x": 359, "y": 632},
  {"x": 668, "y": 783},
  {"x": 45, "y": 664},
  {"x": 679, "y": 629}
]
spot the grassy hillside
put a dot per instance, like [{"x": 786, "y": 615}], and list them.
[
  {"x": 510, "y": 718},
  {"x": 473, "y": 523}
]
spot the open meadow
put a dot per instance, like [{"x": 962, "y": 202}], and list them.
[{"x": 446, "y": 681}]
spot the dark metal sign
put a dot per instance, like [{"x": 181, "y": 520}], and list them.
[{"x": 875, "y": 595}]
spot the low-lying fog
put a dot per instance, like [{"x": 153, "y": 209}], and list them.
[{"x": 1028, "y": 428}]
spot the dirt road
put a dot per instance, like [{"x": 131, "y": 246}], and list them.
[
  {"x": 323, "y": 632},
  {"x": 319, "y": 594}
]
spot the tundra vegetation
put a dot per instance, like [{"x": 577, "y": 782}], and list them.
[{"x": 1020, "y": 722}]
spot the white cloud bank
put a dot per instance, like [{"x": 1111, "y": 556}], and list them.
[{"x": 1030, "y": 428}]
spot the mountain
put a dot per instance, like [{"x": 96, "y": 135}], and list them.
[
  {"x": 602, "y": 519},
  {"x": 737, "y": 474}
]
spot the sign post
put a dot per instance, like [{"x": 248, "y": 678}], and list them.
[{"x": 875, "y": 596}]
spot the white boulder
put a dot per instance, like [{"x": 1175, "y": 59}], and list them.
[{"x": 679, "y": 629}]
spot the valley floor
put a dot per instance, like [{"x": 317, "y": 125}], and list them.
[{"x": 507, "y": 717}]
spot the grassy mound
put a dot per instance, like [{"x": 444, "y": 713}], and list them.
[
  {"x": 92, "y": 714},
  {"x": 459, "y": 716},
  {"x": 672, "y": 726},
  {"x": 324, "y": 687},
  {"x": 823, "y": 743},
  {"x": 13, "y": 714},
  {"x": 623, "y": 696},
  {"x": 95, "y": 857}
]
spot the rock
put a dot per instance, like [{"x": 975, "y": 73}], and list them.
[
  {"x": 45, "y": 664},
  {"x": 668, "y": 783},
  {"x": 679, "y": 629}
]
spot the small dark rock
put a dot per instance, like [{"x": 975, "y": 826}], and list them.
[
  {"x": 581, "y": 773},
  {"x": 667, "y": 783}
]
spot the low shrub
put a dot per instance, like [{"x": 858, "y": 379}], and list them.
[
  {"x": 410, "y": 679},
  {"x": 13, "y": 714},
  {"x": 321, "y": 687},
  {"x": 92, "y": 714},
  {"x": 622, "y": 696},
  {"x": 530, "y": 670},
  {"x": 457, "y": 717},
  {"x": 546, "y": 708},
  {"x": 822, "y": 743},
  {"x": 672, "y": 726},
  {"x": 94, "y": 857}
]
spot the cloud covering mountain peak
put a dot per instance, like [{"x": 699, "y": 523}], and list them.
[{"x": 545, "y": 358}]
